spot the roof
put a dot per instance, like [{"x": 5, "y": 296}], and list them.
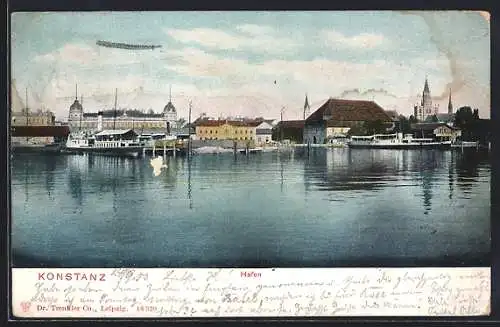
[
  {"x": 426, "y": 86},
  {"x": 127, "y": 112},
  {"x": 169, "y": 107},
  {"x": 76, "y": 105},
  {"x": 114, "y": 132},
  {"x": 263, "y": 131},
  {"x": 349, "y": 110},
  {"x": 445, "y": 117},
  {"x": 439, "y": 118},
  {"x": 393, "y": 114},
  {"x": 44, "y": 131},
  {"x": 291, "y": 124},
  {"x": 237, "y": 123},
  {"x": 430, "y": 126}
]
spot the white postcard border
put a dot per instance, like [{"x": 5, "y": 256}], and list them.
[{"x": 198, "y": 293}]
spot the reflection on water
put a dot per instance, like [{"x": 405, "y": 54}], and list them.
[{"x": 331, "y": 207}]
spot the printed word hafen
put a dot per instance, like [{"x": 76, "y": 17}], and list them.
[
  {"x": 71, "y": 276},
  {"x": 250, "y": 274}
]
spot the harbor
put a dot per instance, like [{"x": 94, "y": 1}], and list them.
[
  {"x": 188, "y": 140},
  {"x": 424, "y": 201}
]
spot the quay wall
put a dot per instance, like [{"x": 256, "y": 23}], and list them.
[{"x": 227, "y": 144}]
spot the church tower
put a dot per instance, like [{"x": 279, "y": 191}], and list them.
[
  {"x": 425, "y": 109},
  {"x": 307, "y": 108},
  {"x": 450, "y": 106},
  {"x": 426, "y": 100},
  {"x": 170, "y": 115},
  {"x": 75, "y": 113}
]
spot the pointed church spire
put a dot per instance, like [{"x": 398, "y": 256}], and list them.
[
  {"x": 76, "y": 92},
  {"x": 170, "y": 96},
  {"x": 450, "y": 105},
  {"x": 426, "y": 85},
  {"x": 307, "y": 107}
]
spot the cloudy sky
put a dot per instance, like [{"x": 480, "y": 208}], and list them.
[{"x": 250, "y": 63}]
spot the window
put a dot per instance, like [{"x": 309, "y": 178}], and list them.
[{"x": 210, "y": 131}]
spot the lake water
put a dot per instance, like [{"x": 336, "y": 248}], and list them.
[{"x": 333, "y": 207}]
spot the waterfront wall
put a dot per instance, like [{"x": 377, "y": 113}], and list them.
[{"x": 227, "y": 144}]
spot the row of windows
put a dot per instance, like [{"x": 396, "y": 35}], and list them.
[
  {"x": 32, "y": 121},
  {"x": 122, "y": 124},
  {"x": 204, "y": 131},
  {"x": 236, "y": 138}
]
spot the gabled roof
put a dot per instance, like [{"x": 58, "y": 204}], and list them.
[
  {"x": 430, "y": 126},
  {"x": 209, "y": 123},
  {"x": 236, "y": 123},
  {"x": 349, "y": 110},
  {"x": 445, "y": 117},
  {"x": 291, "y": 124}
]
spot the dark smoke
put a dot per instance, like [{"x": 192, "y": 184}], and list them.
[
  {"x": 366, "y": 93},
  {"x": 436, "y": 36}
]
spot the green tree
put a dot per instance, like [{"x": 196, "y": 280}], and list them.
[
  {"x": 404, "y": 125},
  {"x": 465, "y": 119},
  {"x": 375, "y": 127}
]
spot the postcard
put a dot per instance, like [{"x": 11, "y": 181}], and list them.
[{"x": 250, "y": 163}]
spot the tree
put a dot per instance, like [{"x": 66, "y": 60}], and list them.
[
  {"x": 465, "y": 120},
  {"x": 375, "y": 127},
  {"x": 404, "y": 125}
]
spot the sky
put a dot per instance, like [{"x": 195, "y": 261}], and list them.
[{"x": 250, "y": 63}]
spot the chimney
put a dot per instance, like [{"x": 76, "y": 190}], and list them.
[{"x": 99, "y": 121}]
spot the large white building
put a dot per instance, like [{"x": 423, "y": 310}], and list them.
[{"x": 140, "y": 121}]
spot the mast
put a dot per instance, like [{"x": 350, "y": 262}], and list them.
[
  {"x": 281, "y": 127},
  {"x": 81, "y": 113},
  {"x": 114, "y": 112},
  {"x": 189, "y": 130},
  {"x": 27, "y": 114}
]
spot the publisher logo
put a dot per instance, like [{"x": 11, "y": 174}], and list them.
[{"x": 25, "y": 306}]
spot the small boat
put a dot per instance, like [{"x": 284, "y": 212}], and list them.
[{"x": 396, "y": 141}]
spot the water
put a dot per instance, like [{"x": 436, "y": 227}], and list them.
[{"x": 334, "y": 208}]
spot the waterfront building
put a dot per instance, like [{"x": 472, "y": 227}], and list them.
[
  {"x": 30, "y": 118},
  {"x": 30, "y": 127},
  {"x": 140, "y": 121},
  {"x": 37, "y": 135},
  {"x": 437, "y": 131},
  {"x": 291, "y": 130},
  {"x": 425, "y": 108},
  {"x": 264, "y": 133},
  {"x": 339, "y": 115},
  {"x": 224, "y": 129}
]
